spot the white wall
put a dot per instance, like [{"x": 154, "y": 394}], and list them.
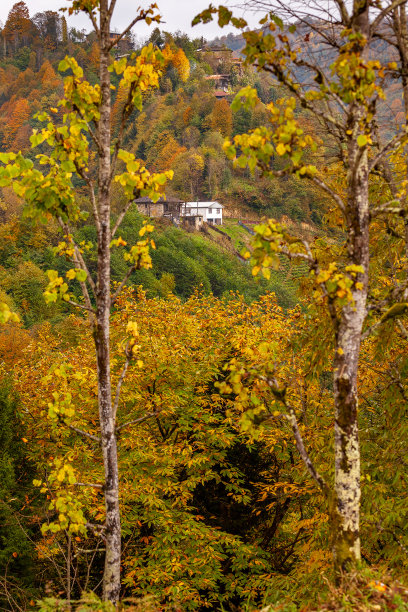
[{"x": 206, "y": 211}]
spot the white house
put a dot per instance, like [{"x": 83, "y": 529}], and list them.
[{"x": 211, "y": 212}]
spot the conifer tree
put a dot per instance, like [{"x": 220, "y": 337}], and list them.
[{"x": 18, "y": 25}]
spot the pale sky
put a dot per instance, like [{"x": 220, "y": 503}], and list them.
[{"x": 177, "y": 15}]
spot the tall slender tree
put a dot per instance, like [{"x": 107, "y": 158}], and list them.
[
  {"x": 343, "y": 91},
  {"x": 84, "y": 137},
  {"x": 18, "y": 25}
]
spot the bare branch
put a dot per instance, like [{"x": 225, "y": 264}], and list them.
[
  {"x": 121, "y": 217},
  {"x": 127, "y": 110},
  {"x": 343, "y": 12},
  {"x": 97, "y": 530},
  {"x": 136, "y": 421},
  {"x": 82, "y": 306},
  {"x": 385, "y": 149},
  {"x": 330, "y": 192},
  {"x": 305, "y": 256},
  {"x": 388, "y": 208},
  {"x": 123, "y": 283},
  {"x": 88, "y": 484},
  {"x": 111, "y": 8},
  {"x": 94, "y": 205},
  {"x": 293, "y": 86},
  {"x": 81, "y": 432},
  {"x": 80, "y": 263},
  {"x": 84, "y": 267},
  {"x": 291, "y": 417},
  {"x": 384, "y": 13},
  {"x": 120, "y": 382},
  {"x": 302, "y": 63},
  {"x": 141, "y": 17}
]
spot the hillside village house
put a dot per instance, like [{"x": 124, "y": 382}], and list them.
[
  {"x": 196, "y": 213},
  {"x": 211, "y": 212},
  {"x": 169, "y": 208},
  {"x": 221, "y": 80}
]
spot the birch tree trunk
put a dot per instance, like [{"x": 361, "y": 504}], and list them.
[
  {"x": 346, "y": 523},
  {"x": 341, "y": 92},
  {"x": 348, "y": 339},
  {"x": 111, "y": 578}
]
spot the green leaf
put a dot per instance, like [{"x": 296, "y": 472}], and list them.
[
  {"x": 362, "y": 140},
  {"x": 277, "y": 20},
  {"x": 52, "y": 275},
  {"x": 68, "y": 166},
  {"x": 205, "y": 16},
  {"x": 5, "y": 157},
  {"x": 239, "y": 22},
  {"x": 81, "y": 276},
  {"x": 224, "y": 16},
  {"x": 63, "y": 66}
]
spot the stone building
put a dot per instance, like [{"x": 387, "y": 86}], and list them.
[{"x": 169, "y": 208}]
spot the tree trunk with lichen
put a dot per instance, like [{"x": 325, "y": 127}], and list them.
[
  {"x": 348, "y": 339},
  {"x": 348, "y": 333},
  {"x": 344, "y": 104},
  {"x": 111, "y": 577}
]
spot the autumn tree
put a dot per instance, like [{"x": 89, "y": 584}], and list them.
[
  {"x": 49, "y": 28},
  {"x": 168, "y": 153},
  {"x": 48, "y": 24},
  {"x": 94, "y": 56},
  {"x": 221, "y": 117},
  {"x": 18, "y": 25},
  {"x": 19, "y": 113},
  {"x": 181, "y": 64},
  {"x": 188, "y": 172},
  {"x": 64, "y": 31},
  {"x": 344, "y": 98},
  {"x": 176, "y": 441},
  {"x": 49, "y": 79},
  {"x": 50, "y": 193}
]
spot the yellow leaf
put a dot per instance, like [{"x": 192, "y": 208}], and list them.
[
  {"x": 281, "y": 149},
  {"x": 70, "y": 274}
]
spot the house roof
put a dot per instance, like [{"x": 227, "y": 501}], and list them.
[
  {"x": 219, "y": 93},
  {"x": 203, "y": 205},
  {"x": 217, "y": 77},
  {"x": 215, "y": 49},
  {"x": 161, "y": 200}
]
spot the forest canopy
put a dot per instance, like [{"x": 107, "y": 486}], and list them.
[{"x": 214, "y": 418}]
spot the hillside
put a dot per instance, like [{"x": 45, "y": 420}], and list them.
[
  {"x": 186, "y": 426},
  {"x": 182, "y": 126},
  {"x": 309, "y": 38}
]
